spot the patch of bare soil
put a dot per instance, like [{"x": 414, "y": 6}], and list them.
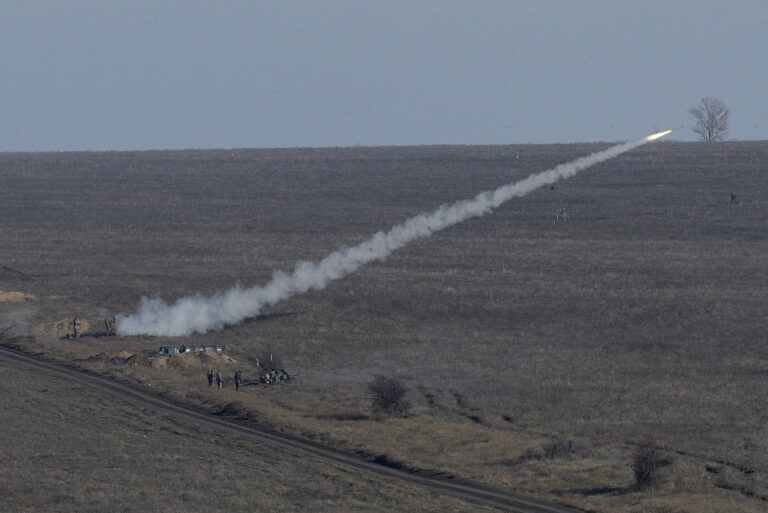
[
  {"x": 62, "y": 327},
  {"x": 191, "y": 360},
  {"x": 14, "y": 296},
  {"x": 121, "y": 357}
]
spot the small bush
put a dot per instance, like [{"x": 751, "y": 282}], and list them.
[
  {"x": 388, "y": 396},
  {"x": 646, "y": 463},
  {"x": 557, "y": 449}
]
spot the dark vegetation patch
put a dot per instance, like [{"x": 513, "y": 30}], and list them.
[
  {"x": 558, "y": 449},
  {"x": 235, "y": 410},
  {"x": 741, "y": 488},
  {"x": 344, "y": 417},
  {"x": 647, "y": 462},
  {"x": 387, "y": 395},
  {"x": 387, "y": 461},
  {"x": 599, "y": 490},
  {"x": 383, "y": 459}
]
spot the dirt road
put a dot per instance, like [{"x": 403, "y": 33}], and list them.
[{"x": 436, "y": 483}]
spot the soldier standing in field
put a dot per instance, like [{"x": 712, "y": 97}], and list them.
[
  {"x": 76, "y": 326},
  {"x": 219, "y": 379},
  {"x": 210, "y": 377},
  {"x": 238, "y": 379},
  {"x": 109, "y": 323}
]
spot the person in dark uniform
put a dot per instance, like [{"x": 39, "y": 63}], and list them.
[
  {"x": 238, "y": 379},
  {"x": 210, "y": 377}
]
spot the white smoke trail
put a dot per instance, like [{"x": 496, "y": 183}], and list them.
[{"x": 199, "y": 314}]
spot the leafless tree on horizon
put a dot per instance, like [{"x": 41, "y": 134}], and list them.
[{"x": 711, "y": 119}]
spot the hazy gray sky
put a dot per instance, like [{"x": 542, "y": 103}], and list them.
[{"x": 105, "y": 75}]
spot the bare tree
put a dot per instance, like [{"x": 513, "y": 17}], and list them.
[{"x": 711, "y": 119}]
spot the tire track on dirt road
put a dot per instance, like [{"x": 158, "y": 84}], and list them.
[{"x": 430, "y": 481}]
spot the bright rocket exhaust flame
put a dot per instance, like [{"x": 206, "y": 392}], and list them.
[
  {"x": 199, "y": 314},
  {"x": 659, "y": 135}
]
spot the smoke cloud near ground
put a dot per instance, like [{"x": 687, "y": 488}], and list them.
[{"x": 200, "y": 314}]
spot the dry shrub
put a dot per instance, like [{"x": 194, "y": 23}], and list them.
[
  {"x": 387, "y": 396},
  {"x": 647, "y": 462},
  {"x": 557, "y": 449}
]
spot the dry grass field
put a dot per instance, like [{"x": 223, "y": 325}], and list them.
[
  {"x": 68, "y": 448},
  {"x": 538, "y": 354}
]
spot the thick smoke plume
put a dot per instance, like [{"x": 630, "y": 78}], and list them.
[{"x": 199, "y": 314}]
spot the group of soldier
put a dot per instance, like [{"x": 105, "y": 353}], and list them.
[
  {"x": 216, "y": 375},
  {"x": 76, "y": 332}
]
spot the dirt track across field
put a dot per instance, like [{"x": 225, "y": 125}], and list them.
[{"x": 434, "y": 482}]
